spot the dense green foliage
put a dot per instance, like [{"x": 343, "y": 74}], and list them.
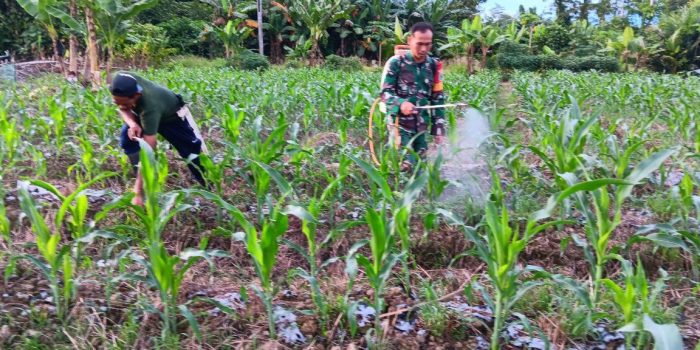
[
  {"x": 516, "y": 56},
  {"x": 664, "y": 34},
  {"x": 249, "y": 60}
]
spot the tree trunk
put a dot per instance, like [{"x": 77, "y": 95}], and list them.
[
  {"x": 484, "y": 51},
  {"x": 110, "y": 60},
  {"x": 57, "y": 56},
  {"x": 315, "y": 56},
  {"x": 276, "y": 51},
  {"x": 92, "y": 51},
  {"x": 470, "y": 58},
  {"x": 73, "y": 46},
  {"x": 261, "y": 44}
]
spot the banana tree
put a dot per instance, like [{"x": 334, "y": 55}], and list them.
[
  {"x": 465, "y": 38},
  {"x": 487, "y": 39},
  {"x": 512, "y": 32},
  {"x": 317, "y": 16},
  {"x": 278, "y": 29},
  {"x": 642, "y": 52},
  {"x": 233, "y": 35},
  {"x": 622, "y": 45},
  {"x": 41, "y": 11},
  {"x": 112, "y": 18}
]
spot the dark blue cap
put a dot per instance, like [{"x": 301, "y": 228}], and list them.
[{"x": 125, "y": 85}]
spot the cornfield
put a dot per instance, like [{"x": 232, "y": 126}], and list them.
[{"x": 587, "y": 235}]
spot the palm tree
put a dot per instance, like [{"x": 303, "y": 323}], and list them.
[{"x": 317, "y": 16}]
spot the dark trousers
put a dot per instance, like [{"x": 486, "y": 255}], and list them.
[
  {"x": 414, "y": 141},
  {"x": 180, "y": 134}
]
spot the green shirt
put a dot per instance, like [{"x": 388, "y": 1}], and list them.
[
  {"x": 418, "y": 83},
  {"x": 157, "y": 105}
]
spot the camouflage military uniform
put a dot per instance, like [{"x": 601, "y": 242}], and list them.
[{"x": 420, "y": 84}]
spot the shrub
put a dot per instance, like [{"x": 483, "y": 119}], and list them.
[
  {"x": 184, "y": 34},
  {"x": 604, "y": 64},
  {"x": 249, "y": 60},
  {"x": 553, "y": 36},
  {"x": 348, "y": 64},
  {"x": 515, "y": 56},
  {"x": 294, "y": 64},
  {"x": 146, "y": 45},
  {"x": 551, "y": 62},
  {"x": 191, "y": 61}
]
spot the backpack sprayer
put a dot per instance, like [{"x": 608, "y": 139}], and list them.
[{"x": 393, "y": 126}]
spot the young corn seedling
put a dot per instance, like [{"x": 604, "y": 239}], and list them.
[
  {"x": 165, "y": 271},
  {"x": 637, "y": 302},
  {"x": 400, "y": 205},
  {"x": 262, "y": 246},
  {"x": 596, "y": 206},
  {"x": 58, "y": 264},
  {"x": 378, "y": 268},
  {"x": 10, "y": 137},
  {"x": 310, "y": 217},
  {"x": 73, "y": 211},
  {"x": 434, "y": 188},
  {"x": 503, "y": 242},
  {"x": 260, "y": 154}
]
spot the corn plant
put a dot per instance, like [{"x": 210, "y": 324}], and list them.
[
  {"x": 688, "y": 200},
  {"x": 434, "y": 188},
  {"x": 58, "y": 266},
  {"x": 668, "y": 236},
  {"x": 4, "y": 224},
  {"x": 383, "y": 258},
  {"x": 261, "y": 152},
  {"x": 262, "y": 246},
  {"x": 11, "y": 138},
  {"x": 566, "y": 138},
  {"x": 164, "y": 271},
  {"x": 215, "y": 171},
  {"x": 503, "y": 242},
  {"x": 596, "y": 207},
  {"x": 6, "y": 239},
  {"x": 637, "y": 302},
  {"x": 310, "y": 217}
]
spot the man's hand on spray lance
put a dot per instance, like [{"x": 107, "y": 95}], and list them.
[{"x": 408, "y": 108}]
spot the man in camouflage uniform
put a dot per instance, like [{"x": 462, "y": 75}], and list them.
[{"x": 415, "y": 79}]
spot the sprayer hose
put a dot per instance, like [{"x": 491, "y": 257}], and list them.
[{"x": 394, "y": 126}]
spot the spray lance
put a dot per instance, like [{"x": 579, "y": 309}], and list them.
[{"x": 393, "y": 126}]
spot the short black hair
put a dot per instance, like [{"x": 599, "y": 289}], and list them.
[{"x": 422, "y": 27}]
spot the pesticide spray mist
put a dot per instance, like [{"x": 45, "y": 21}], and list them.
[{"x": 464, "y": 165}]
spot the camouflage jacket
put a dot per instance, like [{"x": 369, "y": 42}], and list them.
[{"x": 420, "y": 84}]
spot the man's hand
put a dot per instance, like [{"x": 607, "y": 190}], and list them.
[
  {"x": 134, "y": 132},
  {"x": 439, "y": 139},
  {"x": 407, "y": 108}
]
